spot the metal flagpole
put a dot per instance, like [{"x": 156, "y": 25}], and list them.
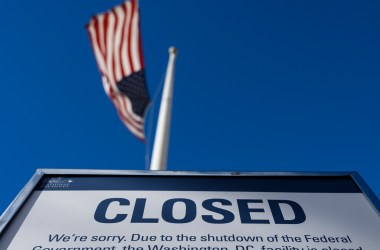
[{"x": 161, "y": 141}]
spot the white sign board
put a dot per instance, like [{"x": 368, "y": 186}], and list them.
[{"x": 194, "y": 212}]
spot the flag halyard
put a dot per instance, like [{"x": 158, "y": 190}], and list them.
[{"x": 116, "y": 41}]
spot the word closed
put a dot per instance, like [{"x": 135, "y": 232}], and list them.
[{"x": 214, "y": 211}]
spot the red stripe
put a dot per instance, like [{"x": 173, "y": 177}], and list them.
[
  {"x": 105, "y": 29},
  {"x": 93, "y": 42},
  {"x": 133, "y": 2},
  {"x": 140, "y": 44},
  {"x": 114, "y": 47},
  {"x": 124, "y": 8},
  {"x": 109, "y": 49},
  {"x": 105, "y": 35},
  {"x": 88, "y": 26},
  {"x": 96, "y": 26}
]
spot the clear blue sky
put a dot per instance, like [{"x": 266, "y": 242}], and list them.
[{"x": 260, "y": 86}]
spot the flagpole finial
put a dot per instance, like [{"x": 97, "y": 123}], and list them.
[{"x": 173, "y": 50}]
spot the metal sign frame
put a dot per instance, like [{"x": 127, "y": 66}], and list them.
[
  {"x": 13, "y": 208},
  {"x": 308, "y": 182}
]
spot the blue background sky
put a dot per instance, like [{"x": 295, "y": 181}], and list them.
[{"x": 260, "y": 86}]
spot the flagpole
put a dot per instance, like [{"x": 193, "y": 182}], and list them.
[{"x": 161, "y": 141}]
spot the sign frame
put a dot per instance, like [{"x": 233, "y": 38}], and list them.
[
  {"x": 21, "y": 198},
  {"x": 339, "y": 182}
]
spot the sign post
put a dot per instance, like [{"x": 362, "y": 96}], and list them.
[{"x": 143, "y": 210}]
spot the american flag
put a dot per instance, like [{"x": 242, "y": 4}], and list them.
[{"x": 116, "y": 41}]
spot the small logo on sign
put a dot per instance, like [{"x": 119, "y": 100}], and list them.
[{"x": 59, "y": 182}]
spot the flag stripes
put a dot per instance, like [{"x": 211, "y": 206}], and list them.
[{"x": 116, "y": 41}]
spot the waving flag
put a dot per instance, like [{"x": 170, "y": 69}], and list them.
[{"x": 116, "y": 41}]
